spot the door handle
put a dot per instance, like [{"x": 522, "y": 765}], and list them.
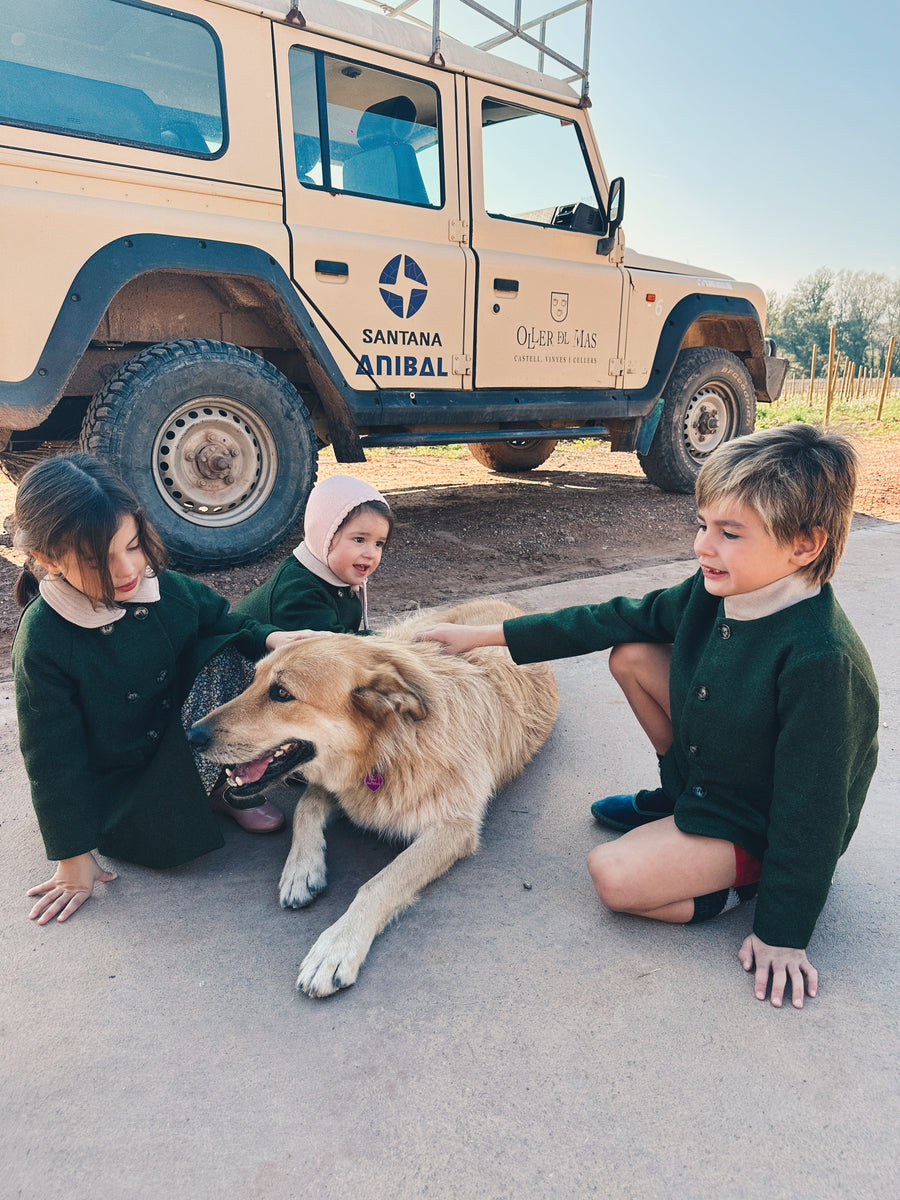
[{"x": 325, "y": 266}]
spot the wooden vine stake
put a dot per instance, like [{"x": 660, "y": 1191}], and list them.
[
  {"x": 812, "y": 377},
  {"x": 887, "y": 375},
  {"x": 829, "y": 395}
]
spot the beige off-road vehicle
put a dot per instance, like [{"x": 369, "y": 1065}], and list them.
[{"x": 235, "y": 231}]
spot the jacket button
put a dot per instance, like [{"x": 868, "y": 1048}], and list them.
[
  {"x": 131, "y": 697},
  {"x": 106, "y": 628},
  {"x": 152, "y": 734},
  {"x": 141, "y": 614},
  {"x": 702, "y": 692},
  {"x": 724, "y": 632},
  {"x": 162, "y": 677},
  {"x": 693, "y": 751},
  {"x": 166, "y": 705},
  {"x": 699, "y": 790}
]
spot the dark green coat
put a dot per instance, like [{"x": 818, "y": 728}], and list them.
[
  {"x": 99, "y": 723},
  {"x": 775, "y": 725},
  {"x": 294, "y": 598}
]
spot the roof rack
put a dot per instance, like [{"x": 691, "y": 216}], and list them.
[{"x": 532, "y": 32}]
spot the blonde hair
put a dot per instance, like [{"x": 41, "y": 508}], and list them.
[{"x": 796, "y": 478}]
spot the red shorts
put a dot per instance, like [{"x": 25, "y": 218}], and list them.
[{"x": 747, "y": 868}]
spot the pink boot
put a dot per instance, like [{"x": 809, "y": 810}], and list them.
[{"x": 268, "y": 818}]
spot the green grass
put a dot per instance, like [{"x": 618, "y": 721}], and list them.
[{"x": 857, "y": 415}]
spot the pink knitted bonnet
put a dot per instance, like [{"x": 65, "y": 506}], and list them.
[{"x": 327, "y": 507}]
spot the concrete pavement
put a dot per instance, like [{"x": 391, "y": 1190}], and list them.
[{"x": 502, "y": 1040}]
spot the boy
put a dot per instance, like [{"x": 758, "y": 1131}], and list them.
[{"x": 756, "y": 693}]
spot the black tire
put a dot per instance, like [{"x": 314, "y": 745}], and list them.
[
  {"x": 516, "y": 454},
  {"x": 215, "y": 442},
  {"x": 709, "y": 399}
]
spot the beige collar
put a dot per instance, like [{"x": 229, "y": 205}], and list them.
[
  {"x": 75, "y": 607},
  {"x": 306, "y": 558},
  {"x": 764, "y": 601}
]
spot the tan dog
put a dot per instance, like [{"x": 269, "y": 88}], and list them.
[{"x": 407, "y": 740}]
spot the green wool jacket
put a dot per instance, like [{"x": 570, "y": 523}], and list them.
[
  {"x": 99, "y": 723},
  {"x": 294, "y": 598},
  {"x": 775, "y": 726}
]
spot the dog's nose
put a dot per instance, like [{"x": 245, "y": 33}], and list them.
[{"x": 199, "y": 735}]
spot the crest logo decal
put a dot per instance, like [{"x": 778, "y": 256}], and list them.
[{"x": 559, "y": 305}]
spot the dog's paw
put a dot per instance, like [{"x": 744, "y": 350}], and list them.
[
  {"x": 301, "y": 884},
  {"x": 333, "y": 963}
]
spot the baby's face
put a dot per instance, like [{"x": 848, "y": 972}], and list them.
[
  {"x": 356, "y": 550},
  {"x": 737, "y": 554}
]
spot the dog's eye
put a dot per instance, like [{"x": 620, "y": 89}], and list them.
[{"x": 279, "y": 694}]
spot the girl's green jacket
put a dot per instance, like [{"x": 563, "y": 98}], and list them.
[{"x": 99, "y": 723}]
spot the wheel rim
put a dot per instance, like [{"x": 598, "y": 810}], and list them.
[
  {"x": 709, "y": 420},
  {"x": 214, "y": 461}
]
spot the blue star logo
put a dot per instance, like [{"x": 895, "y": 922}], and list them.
[{"x": 403, "y": 292}]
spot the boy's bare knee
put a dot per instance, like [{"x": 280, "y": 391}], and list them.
[
  {"x": 631, "y": 660},
  {"x": 623, "y": 659},
  {"x": 610, "y": 881}
]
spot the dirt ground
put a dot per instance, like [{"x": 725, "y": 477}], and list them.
[{"x": 463, "y": 531}]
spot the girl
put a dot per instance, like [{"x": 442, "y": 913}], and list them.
[
  {"x": 107, "y": 649},
  {"x": 322, "y": 585}
]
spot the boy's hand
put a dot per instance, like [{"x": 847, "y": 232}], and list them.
[
  {"x": 284, "y": 637},
  {"x": 72, "y": 884},
  {"x": 457, "y": 639},
  {"x": 782, "y": 962}
]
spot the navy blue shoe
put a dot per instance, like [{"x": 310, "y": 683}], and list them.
[{"x": 629, "y": 811}]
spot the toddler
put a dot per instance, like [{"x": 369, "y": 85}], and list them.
[{"x": 322, "y": 585}]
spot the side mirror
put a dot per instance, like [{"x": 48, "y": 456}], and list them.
[{"x": 615, "y": 209}]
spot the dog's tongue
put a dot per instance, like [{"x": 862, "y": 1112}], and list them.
[{"x": 251, "y": 771}]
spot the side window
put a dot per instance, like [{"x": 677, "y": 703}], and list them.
[
  {"x": 363, "y": 130},
  {"x": 533, "y": 164},
  {"x": 114, "y": 70}
]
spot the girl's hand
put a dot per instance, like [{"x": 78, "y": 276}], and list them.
[
  {"x": 782, "y": 962},
  {"x": 72, "y": 884},
  {"x": 284, "y": 637},
  {"x": 457, "y": 639}
]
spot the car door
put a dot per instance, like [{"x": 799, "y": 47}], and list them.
[
  {"x": 372, "y": 194},
  {"x": 548, "y": 305}
]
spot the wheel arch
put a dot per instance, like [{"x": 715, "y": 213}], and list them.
[
  {"x": 742, "y": 334},
  {"x": 719, "y": 322},
  {"x": 110, "y": 302}
]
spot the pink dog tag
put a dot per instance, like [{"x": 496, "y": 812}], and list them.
[{"x": 374, "y": 781}]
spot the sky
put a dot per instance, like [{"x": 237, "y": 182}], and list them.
[{"x": 756, "y": 137}]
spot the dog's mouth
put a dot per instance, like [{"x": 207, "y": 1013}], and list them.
[{"x": 250, "y": 778}]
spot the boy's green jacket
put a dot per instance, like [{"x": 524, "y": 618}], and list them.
[{"x": 775, "y": 725}]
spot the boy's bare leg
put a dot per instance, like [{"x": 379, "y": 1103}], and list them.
[
  {"x": 641, "y": 669},
  {"x": 656, "y": 871}
]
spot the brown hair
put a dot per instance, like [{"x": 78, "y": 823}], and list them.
[
  {"x": 796, "y": 478},
  {"x": 74, "y": 504},
  {"x": 380, "y": 507}
]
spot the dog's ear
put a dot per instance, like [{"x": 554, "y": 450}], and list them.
[{"x": 389, "y": 691}]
